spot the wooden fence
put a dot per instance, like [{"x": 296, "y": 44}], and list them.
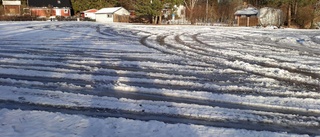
[
  {"x": 121, "y": 18},
  {"x": 248, "y": 21}
]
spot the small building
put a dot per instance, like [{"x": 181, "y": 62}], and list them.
[
  {"x": 247, "y": 16},
  {"x": 46, "y": 8},
  {"x": 11, "y": 7},
  {"x": 91, "y": 14},
  {"x": 115, "y": 14}
]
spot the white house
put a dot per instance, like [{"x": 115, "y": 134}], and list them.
[
  {"x": 115, "y": 14},
  {"x": 91, "y": 13}
]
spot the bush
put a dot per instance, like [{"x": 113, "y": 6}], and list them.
[
  {"x": 20, "y": 18},
  {"x": 304, "y": 17}
]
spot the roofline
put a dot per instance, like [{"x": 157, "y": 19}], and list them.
[
  {"x": 111, "y": 12},
  {"x": 47, "y": 7}
]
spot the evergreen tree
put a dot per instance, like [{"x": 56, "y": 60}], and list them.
[
  {"x": 153, "y": 8},
  {"x": 82, "y": 5}
]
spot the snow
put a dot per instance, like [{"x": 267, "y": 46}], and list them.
[
  {"x": 108, "y": 10},
  {"x": 91, "y": 79},
  {"x": 18, "y": 123},
  {"x": 247, "y": 11}
]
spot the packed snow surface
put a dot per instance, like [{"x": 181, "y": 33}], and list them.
[{"x": 90, "y": 79}]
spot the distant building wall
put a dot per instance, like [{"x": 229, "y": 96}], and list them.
[
  {"x": 11, "y": 8},
  {"x": 247, "y": 21},
  {"x": 102, "y": 17},
  {"x": 64, "y": 12},
  {"x": 121, "y": 18},
  {"x": 45, "y": 12},
  {"x": 90, "y": 15}
]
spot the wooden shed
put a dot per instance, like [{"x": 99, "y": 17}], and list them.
[
  {"x": 11, "y": 8},
  {"x": 247, "y": 17}
]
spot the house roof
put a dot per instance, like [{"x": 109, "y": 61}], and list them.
[
  {"x": 108, "y": 10},
  {"x": 46, "y": 3},
  {"x": 90, "y": 11},
  {"x": 247, "y": 11}
]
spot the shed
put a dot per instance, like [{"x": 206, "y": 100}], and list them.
[
  {"x": 115, "y": 14},
  {"x": 247, "y": 16},
  {"x": 91, "y": 14},
  {"x": 11, "y": 8}
]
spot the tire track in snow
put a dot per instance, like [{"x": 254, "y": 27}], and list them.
[
  {"x": 167, "y": 118},
  {"x": 89, "y": 79},
  {"x": 118, "y": 93},
  {"x": 107, "y": 69},
  {"x": 293, "y": 82},
  {"x": 185, "y": 76},
  {"x": 168, "y": 46},
  {"x": 306, "y": 84},
  {"x": 257, "y": 62},
  {"x": 161, "y": 42},
  {"x": 167, "y": 49}
]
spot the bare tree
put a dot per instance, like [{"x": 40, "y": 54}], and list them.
[
  {"x": 190, "y": 4},
  {"x": 226, "y": 10}
]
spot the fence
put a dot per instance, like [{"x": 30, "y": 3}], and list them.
[
  {"x": 19, "y": 18},
  {"x": 248, "y": 21},
  {"x": 121, "y": 18}
]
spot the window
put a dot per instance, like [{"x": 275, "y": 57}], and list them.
[
  {"x": 66, "y": 11},
  {"x": 109, "y": 15}
]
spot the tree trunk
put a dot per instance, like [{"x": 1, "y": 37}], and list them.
[
  {"x": 313, "y": 16},
  {"x": 289, "y": 15},
  {"x": 192, "y": 18},
  {"x": 155, "y": 20},
  {"x": 295, "y": 9},
  {"x": 160, "y": 18}
]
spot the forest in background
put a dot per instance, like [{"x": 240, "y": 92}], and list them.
[{"x": 298, "y": 13}]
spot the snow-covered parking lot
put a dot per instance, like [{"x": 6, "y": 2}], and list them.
[{"x": 90, "y": 79}]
